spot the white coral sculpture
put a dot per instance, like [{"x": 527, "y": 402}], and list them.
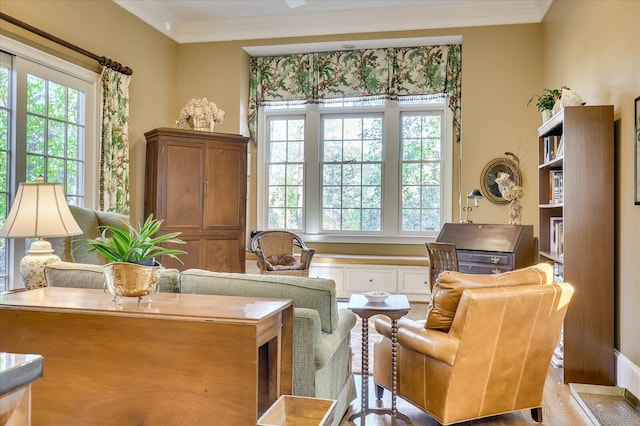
[{"x": 512, "y": 193}]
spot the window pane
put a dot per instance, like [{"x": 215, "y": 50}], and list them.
[
  {"x": 35, "y": 167},
  {"x": 4, "y": 129},
  {"x": 35, "y": 134},
  {"x": 56, "y": 143},
  {"x": 73, "y": 182},
  {"x": 55, "y": 170},
  {"x": 421, "y": 175},
  {"x": 36, "y": 95},
  {"x": 276, "y": 218},
  {"x": 57, "y": 101},
  {"x": 294, "y": 196},
  {"x": 276, "y": 196},
  {"x": 73, "y": 141},
  {"x": 74, "y": 108},
  {"x": 4, "y": 87}
]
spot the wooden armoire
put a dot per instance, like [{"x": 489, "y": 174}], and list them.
[{"x": 196, "y": 182}]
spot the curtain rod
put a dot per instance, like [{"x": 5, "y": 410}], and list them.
[{"x": 102, "y": 60}]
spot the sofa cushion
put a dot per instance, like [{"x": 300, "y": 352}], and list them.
[
  {"x": 312, "y": 293},
  {"x": 450, "y": 285},
  {"x": 85, "y": 275},
  {"x": 77, "y": 275}
]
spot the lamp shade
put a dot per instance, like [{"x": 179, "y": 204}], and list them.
[
  {"x": 475, "y": 193},
  {"x": 40, "y": 210}
]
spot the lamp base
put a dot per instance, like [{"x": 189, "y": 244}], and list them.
[{"x": 32, "y": 265}]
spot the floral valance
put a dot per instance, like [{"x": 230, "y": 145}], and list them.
[{"x": 391, "y": 73}]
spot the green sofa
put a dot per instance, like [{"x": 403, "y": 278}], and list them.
[{"x": 321, "y": 336}]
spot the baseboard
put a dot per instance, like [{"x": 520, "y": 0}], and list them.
[{"x": 627, "y": 374}]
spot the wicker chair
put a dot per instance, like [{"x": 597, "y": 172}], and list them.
[
  {"x": 276, "y": 253},
  {"x": 442, "y": 257}
]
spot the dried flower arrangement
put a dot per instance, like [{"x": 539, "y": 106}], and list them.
[{"x": 201, "y": 114}]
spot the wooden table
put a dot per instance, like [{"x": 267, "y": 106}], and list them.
[
  {"x": 180, "y": 359},
  {"x": 395, "y": 307}
]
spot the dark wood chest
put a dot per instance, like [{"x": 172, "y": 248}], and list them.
[{"x": 490, "y": 248}]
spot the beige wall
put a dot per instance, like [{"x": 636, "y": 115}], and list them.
[
  {"x": 594, "y": 48},
  {"x": 104, "y": 28}
]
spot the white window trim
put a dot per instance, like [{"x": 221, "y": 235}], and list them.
[
  {"x": 390, "y": 209},
  {"x": 93, "y": 125}
]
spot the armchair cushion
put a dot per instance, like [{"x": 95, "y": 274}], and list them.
[
  {"x": 284, "y": 261},
  {"x": 450, "y": 286}
]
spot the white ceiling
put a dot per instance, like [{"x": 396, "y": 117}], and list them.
[{"x": 187, "y": 21}]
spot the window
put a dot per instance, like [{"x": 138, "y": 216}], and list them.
[
  {"x": 286, "y": 171},
  {"x": 352, "y": 170},
  {"x": 351, "y": 167},
  {"x": 48, "y": 127}
]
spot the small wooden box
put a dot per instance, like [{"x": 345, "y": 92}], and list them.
[{"x": 299, "y": 411}]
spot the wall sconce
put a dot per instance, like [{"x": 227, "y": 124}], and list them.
[{"x": 476, "y": 195}]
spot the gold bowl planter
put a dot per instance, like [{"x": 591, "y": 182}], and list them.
[{"x": 124, "y": 279}]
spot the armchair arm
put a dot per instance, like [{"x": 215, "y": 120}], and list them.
[
  {"x": 306, "y": 254},
  {"x": 433, "y": 343},
  {"x": 260, "y": 260}
]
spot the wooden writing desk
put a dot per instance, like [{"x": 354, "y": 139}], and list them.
[{"x": 180, "y": 359}]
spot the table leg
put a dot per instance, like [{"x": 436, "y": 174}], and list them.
[
  {"x": 394, "y": 376},
  {"x": 364, "y": 403}
]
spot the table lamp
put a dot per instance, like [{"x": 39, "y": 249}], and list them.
[
  {"x": 474, "y": 195},
  {"x": 39, "y": 210}
]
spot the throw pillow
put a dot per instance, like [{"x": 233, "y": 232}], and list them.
[
  {"x": 282, "y": 262},
  {"x": 450, "y": 286}
]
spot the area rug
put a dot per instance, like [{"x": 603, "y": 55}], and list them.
[
  {"x": 356, "y": 345},
  {"x": 607, "y": 405}
]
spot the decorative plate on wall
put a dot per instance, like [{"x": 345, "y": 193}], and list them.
[{"x": 488, "y": 184}]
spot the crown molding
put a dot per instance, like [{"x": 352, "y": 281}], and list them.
[{"x": 435, "y": 14}]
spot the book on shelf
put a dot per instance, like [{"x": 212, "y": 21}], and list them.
[
  {"x": 558, "y": 272},
  {"x": 560, "y": 149},
  {"x": 556, "y": 187},
  {"x": 550, "y": 148},
  {"x": 556, "y": 236}
]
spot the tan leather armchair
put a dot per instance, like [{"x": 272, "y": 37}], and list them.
[{"x": 484, "y": 349}]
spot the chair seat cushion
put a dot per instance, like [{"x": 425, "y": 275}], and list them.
[
  {"x": 283, "y": 262},
  {"x": 450, "y": 286}
]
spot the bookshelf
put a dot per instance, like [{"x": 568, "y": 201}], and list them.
[{"x": 576, "y": 233}]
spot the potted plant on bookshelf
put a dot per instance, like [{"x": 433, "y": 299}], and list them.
[
  {"x": 545, "y": 102},
  {"x": 132, "y": 271}
]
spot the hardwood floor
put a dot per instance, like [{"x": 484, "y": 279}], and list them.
[{"x": 559, "y": 407}]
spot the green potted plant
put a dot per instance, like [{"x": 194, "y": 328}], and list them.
[
  {"x": 132, "y": 252},
  {"x": 545, "y": 102}
]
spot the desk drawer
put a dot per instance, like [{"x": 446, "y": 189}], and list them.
[
  {"x": 482, "y": 268},
  {"x": 489, "y": 258}
]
